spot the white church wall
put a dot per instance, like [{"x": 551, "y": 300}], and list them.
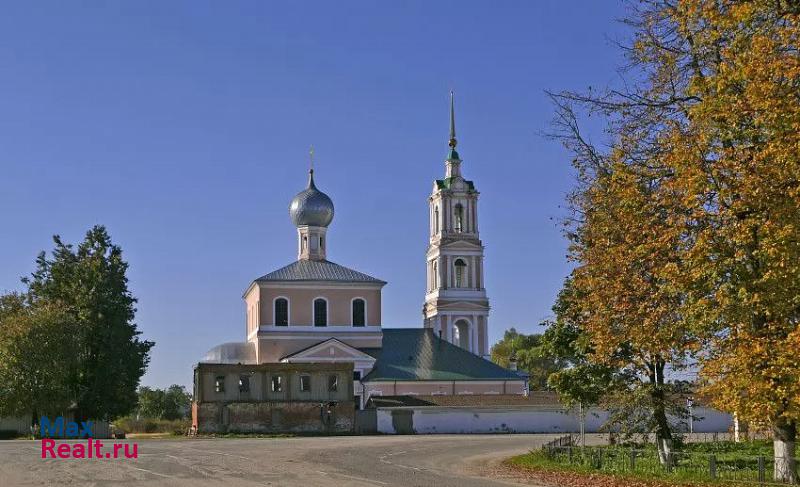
[{"x": 441, "y": 420}]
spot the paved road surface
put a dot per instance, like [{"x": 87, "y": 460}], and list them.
[{"x": 438, "y": 461}]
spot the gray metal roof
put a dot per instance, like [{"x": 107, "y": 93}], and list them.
[
  {"x": 318, "y": 270},
  {"x": 232, "y": 353}
]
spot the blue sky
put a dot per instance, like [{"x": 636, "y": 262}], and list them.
[{"x": 184, "y": 127}]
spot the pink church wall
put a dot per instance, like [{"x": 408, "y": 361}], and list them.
[{"x": 339, "y": 305}]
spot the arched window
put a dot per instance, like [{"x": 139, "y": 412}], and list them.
[
  {"x": 461, "y": 273},
  {"x": 461, "y": 334},
  {"x": 359, "y": 312},
  {"x": 281, "y": 312},
  {"x": 320, "y": 312},
  {"x": 459, "y": 223},
  {"x": 435, "y": 220},
  {"x": 435, "y": 280}
]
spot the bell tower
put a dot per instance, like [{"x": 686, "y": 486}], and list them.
[{"x": 456, "y": 306}]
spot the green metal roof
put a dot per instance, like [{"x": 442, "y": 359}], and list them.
[
  {"x": 453, "y": 155},
  {"x": 447, "y": 182},
  {"x": 416, "y": 354}
]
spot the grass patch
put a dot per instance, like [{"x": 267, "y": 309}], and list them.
[{"x": 693, "y": 464}]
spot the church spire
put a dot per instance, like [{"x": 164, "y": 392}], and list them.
[
  {"x": 452, "y": 155},
  {"x": 311, "y": 184},
  {"x": 453, "y": 141}
]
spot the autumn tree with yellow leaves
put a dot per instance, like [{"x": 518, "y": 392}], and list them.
[
  {"x": 686, "y": 233},
  {"x": 738, "y": 166}
]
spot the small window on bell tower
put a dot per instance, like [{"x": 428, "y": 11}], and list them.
[
  {"x": 436, "y": 220},
  {"x": 459, "y": 223},
  {"x": 461, "y": 268}
]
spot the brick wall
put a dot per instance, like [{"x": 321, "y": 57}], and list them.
[
  {"x": 275, "y": 417},
  {"x": 261, "y": 409}
]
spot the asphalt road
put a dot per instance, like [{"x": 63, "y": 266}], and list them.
[{"x": 439, "y": 461}]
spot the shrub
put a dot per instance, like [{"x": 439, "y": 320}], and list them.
[{"x": 130, "y": 424}]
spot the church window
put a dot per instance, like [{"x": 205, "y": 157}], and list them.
[
  {"x": 281, "y": 312},
  {"x": 277, "y": 383},
  {"x": 320, "y": 312},
  {"x": 322, "y": 242},
  {"x": 305, "y": 242},
  {"x": 435, "y": 279},
  {"x": 459, "y": 223},
  {"x": 219, "y": 384},
  {"x": 305, "y": 383},
  {"x": 359, "y": 312},
  {"x": 461, "y": 271},
  {"x": 333, "y": 383},
  {"x": 244, "y": 383},
  {"x": 461, "y": 334},
  {"x": 356, "y": 375},
  {"x": 435, "y": 220}
]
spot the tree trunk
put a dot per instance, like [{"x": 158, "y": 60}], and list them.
[
  {"x": 784, "y": 436},
  {"x": 662, "y": 428},
  {"x": 663, "y": 437}
]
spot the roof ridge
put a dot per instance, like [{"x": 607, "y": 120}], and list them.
[{"x": 318, "y": 270}]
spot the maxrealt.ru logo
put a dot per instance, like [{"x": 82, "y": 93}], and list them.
[{"x": 92, "y": 448}]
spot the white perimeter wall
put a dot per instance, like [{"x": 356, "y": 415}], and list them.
[{"x": 431, "y": 420}]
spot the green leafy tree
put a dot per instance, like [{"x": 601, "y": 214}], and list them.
[
  {"x": 151, "y": 403},
  {"x": 525, "y": 348},
  {"x": 581, "y": 381},
  {"x": 37, "y": 357},
  {"x": 91, "y": 284},
  {"x": 176, "y": 402},
  {"x": 10, "y": 305},
  {"x": 171, "y": 403}
]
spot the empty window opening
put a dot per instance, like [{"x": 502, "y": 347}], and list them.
[
  {"x": 277, "y": 383},
  {"x": 461, "y": 334},
  {"x": 459, "y": 217},
  {"x": 461, "y": 273},
  {"x": 244, "y": 383}
]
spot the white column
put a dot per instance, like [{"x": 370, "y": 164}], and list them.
[
  {"x": 485, "y": 350},
  {"x": 430, "y": 218},
  {"x": 449, "y": 330},
  {"x": 476, "y": 215},
  {"x": 473, "y": 275},
  {"x": 473, "y": 341}
]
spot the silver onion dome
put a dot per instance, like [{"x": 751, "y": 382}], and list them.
[{"x": 311, "y": 207}]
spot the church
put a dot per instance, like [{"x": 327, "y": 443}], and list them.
[{"x": 315, "y": 311}]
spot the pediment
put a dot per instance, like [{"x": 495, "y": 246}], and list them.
[
  {"x": 331, "y": 350},
  {"x": 462, "y": 245}
]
